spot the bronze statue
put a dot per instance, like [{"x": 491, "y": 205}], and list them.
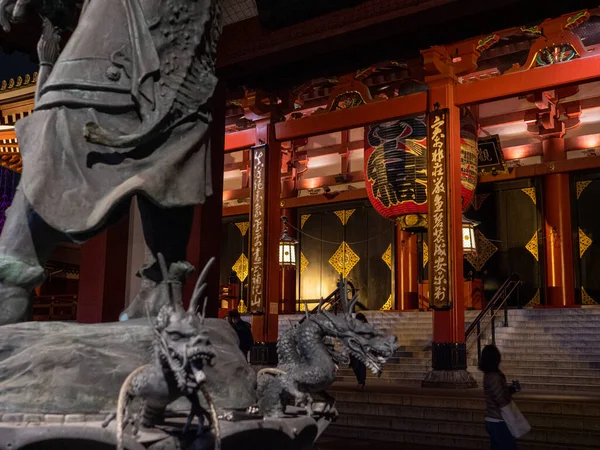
[{"x": 122, "y": 111}]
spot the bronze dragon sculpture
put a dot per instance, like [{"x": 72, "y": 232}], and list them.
[{"x": 308, "y": 363}]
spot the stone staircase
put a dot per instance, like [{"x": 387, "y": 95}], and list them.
[{"x": 455, "y": 419}]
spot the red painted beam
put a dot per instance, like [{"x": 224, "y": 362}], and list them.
[
  {"x": 344, "y": 196},
  {"x": 360, "y": 116},
  {"x": 236, "y": 210},
  {"x": 578, "y": 71},
  {"x": 240, "y": 140}
]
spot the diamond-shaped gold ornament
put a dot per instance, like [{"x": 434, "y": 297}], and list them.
[
  {"x": 485, "y": 250},
  {"x": 587, "y": 299},
  {"x": 388, "y": 305},
  {"x": 535, "y": 301},
  {"x": 532, "y": 246},
  {"x": 387, "y": 257},
  {"x": 584, "y": 243},
  {"x": 303, "y": 263},
  {"x": 344, "y": 260},
  {"x": 303, "y": 220},
  {"x": 425, "y": 253},
  {"x": 530, "y": 192},
  {"x": 243, "y": 227},
  {"x": 581, "y": 185},
  {"x": 241, "y": 267},
  {"x": 344, "y": 215}
]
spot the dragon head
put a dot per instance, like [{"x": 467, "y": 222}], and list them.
[
  {"x": 182, "y": 342},
  {"x": 361, "y": 339}
]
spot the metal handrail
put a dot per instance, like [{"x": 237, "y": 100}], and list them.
[{"x": 498, "y": 302}]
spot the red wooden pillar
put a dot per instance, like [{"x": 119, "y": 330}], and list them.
[
  {"x": 449, "y": 355},
  {"x": 407, "y": 281},
  {"x": 265, "y": 229},
  {"x": 560, "y": 283},
  {"x": 103, "y": 275},
  {"x": 205, "y": 238}
]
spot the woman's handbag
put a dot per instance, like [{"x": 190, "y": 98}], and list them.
[{"x": 515, "y": 420}]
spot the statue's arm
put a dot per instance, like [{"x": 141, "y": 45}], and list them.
[
  {"x": 48, "y": 51},
  {"x": 14, "y": 11}
]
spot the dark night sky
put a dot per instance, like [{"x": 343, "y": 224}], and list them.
[{"x": 15, "y": 64}]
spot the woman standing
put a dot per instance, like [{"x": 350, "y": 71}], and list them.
[{"x": 498, "y": 394}]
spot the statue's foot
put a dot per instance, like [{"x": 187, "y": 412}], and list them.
[
  {"x": 14, "y": 304},
  {"x": 147, "y": 302}
]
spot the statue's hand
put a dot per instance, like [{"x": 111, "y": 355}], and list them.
[
  {"x": 12, "y": 11},
  {"x": 48, "y": 47}
]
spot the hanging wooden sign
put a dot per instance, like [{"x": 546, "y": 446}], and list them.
[
  {"x": 491, "y": 157},
  {"x": 258, "y": 228},
  {"x": 437, "y": 184}
]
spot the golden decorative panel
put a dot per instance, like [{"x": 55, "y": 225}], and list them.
[
  {"x": 241, "y": 267},
  {"x": 584, "y": 243},
  {"x": 388, "y": 305},
  {"x": 243, "y": 226},
  {"x": 535, "y": 301},
  {"x": 344, "y": 260},
  {"x": 387, "y": 256},
  {"x": 581, "y": 185},
  {"x": 303, "y": 263},
  {"x": 587, "y": 299},
  {"x": 242, "y": 309},
  {"x": 344, "y": 215},
  {"x": 478, "y": 200},
  {"x": 425, "y": 254},
  {"x": 532, "y": 246},
  {"x": 303, "y": 220},
  {"x": 530, "y": 192},
  {"x": 485, "y": 250},
  {"x": 310, "y": 304}
]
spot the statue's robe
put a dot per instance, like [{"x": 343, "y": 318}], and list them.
[{"x": 128, "y": 62}]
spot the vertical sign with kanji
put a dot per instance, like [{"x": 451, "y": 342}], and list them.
[
  {"x": 257, "y": 228},
  {"x": 437, "y": 201}
]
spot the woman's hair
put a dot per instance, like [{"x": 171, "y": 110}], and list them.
[{"x": 490, "y": 359}]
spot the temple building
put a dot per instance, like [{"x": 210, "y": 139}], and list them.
[{"x": 453, "y": 181}]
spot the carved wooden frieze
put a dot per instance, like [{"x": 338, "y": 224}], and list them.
[
  {"x": 437, "y": 182},
  {"x": 257, "y": 228}
]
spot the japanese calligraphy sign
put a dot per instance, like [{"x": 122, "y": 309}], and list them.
[
  {"x": 437, "y": 185},
  {"x": 257, "y": 228}
]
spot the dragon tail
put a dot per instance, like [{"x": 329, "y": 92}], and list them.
[
  {"x": 271, "y": 371},
  {"x": 122, "y": 405},
  {"x": 213, "y": 417}
]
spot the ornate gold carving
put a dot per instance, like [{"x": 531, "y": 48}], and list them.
[
  {"x": 303, "y": 263},
  {"x": 532, "y": 246},
  {"x": 411, "y": 221},
  {"x": 243, "y": 227},
  {"x": 387, "y": 257},
  {"x": 242, "y": 307},
  {"x": 303, "y": 220},
  {"x": 584, "y": 243},
  {"x": 587, "y": 299},
  {"x": 19, "y": 82},
  {"x": 344, "y": 260},
  {"x": 258, "y": 229},
  {"x": 485, "y": 250},
  {"x": 241, "y": 267},
  {"x": 425, "y": 253},
  {"x": 388, "y": 305},
  {"x": 344, "y": 215},
  {"x": 530, "y": 192},
  {"x": 347, "y": 100},
  {"x": 535, "y": 301},
  {"x": 478, "y": 200},
  {"x": 581, "y": 185}
]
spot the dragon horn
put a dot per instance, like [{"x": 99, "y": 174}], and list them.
[
  {"x": 199, "y": 289},
  {"x": 162, "y": 263},
  {"x": 306, "y": 308},
  {"x": 204, "y": 309}
]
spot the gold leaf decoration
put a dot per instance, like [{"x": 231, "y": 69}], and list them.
[
  {"x": 535, "y": 301},
  {"x": 242, "y": 309},
  {"x": 532, "y": 246},
  {"x": 303, "y": 263},
  {"x": 581, "y": 185},
  {"x": 587, "y": 299},
  {"x": 344, "y": 215},
  {"x": 478, "y": 200},
  {"x": 584, "y": 243},
  {"x": 243, "y": 226},
  {"x": 388, "y": 305},
  {"x": 344, "y": 260},
  {"x": 425, "y": 253},
  {"x": 303, "y": 220},
  {"x": 387, "y": 256},
  {"x": 485, "y": 250},
  {"x": 530, "y": 192},
  {"x": 241, "y": 267}
]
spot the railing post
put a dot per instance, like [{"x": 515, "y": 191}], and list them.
[
  {"x": 493, "y": 326},
  {"x": 506, "y": 313},
  {"x": 478, "y": 343}
]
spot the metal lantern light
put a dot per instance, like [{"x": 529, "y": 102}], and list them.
[
  {"x": 287, "y": 247},
  {"x": 468, "y": 234}
]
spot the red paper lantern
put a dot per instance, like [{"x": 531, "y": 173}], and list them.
[{"x": 396, "y": 168}]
